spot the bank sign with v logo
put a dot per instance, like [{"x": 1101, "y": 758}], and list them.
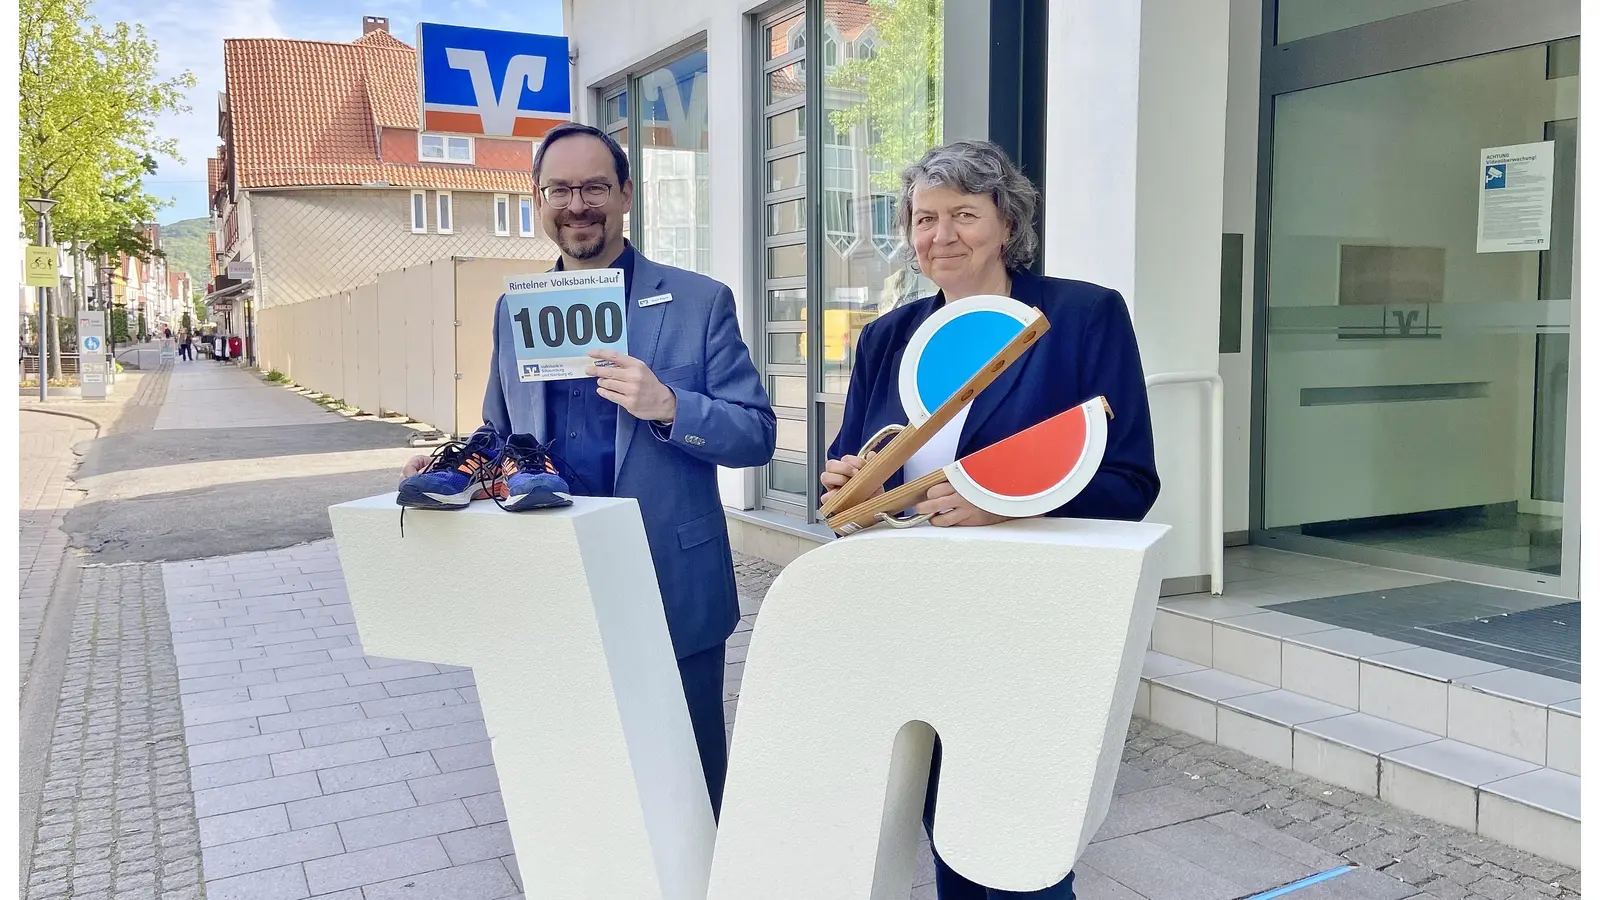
[{"x": 492, "y": 83}]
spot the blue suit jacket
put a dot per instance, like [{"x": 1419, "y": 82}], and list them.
[
  {"x": 692, "y": 344},
  {"x": 1089, "y": 351}
]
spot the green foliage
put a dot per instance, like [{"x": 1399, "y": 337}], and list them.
[
  {"x": 902, "y": 103},
  {"x": 185, "y": 244},
  {"x": 119, "y": 325},
  {"x": 199, "y": 302},
  {"x": 86, "y": 123}
]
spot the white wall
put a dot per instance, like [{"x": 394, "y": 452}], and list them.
[
  {"x": 614, "y": 38},
  {"x": 1147, "y": 81}
]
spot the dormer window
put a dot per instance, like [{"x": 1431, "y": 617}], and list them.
[{"x": 444, "y": 148}]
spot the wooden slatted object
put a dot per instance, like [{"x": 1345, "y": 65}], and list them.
[
  {"x": 1030, "y": 325},
  {"x": 1027, "y": 474}
]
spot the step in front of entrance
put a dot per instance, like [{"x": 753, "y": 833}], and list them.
[{"x": 1474, "y": 745}]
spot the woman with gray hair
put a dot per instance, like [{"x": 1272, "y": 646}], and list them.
[{"x": 967, "y": 213}]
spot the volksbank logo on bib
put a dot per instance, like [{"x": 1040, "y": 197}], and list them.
[{"x": 492, "y": 83}]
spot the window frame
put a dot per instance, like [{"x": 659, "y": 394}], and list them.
[
  {"x": 411, "y": 211},
  {"x": 630, "y": 85},
  {"x": 444, "y": 211},
  {"x": 444, "y": 147},
  {"x": 502, "y": 215},
  {"x": 532, "y": 229}
]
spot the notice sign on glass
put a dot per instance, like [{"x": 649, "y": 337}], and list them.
[
  {"x": 556, "y": 318},
  {"x": 1515, "y": 188}
]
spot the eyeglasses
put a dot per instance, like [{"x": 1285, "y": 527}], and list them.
[{"x": 595, "y": 193}]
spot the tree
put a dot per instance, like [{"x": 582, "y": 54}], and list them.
[
  {"x": 902, "y": 104},
  {"x": 199, "y": 303},
  {"x": 86, "y": 125},
  {"x": 89, "y": 100}
]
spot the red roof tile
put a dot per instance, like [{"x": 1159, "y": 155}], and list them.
[
  {"x": 307, "y": 113},
  {"x": 380, "y": 38}
]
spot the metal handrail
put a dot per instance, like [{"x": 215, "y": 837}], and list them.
[{"x": 1213, "y": 383}]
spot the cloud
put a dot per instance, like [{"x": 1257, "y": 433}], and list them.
[{"x": 189, "y": 36}]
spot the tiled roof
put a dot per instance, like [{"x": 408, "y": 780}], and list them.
[
  {"x": 213, "y": 176},
  {"x": 381, "y": 38},
  {"x": 851, "y": 17},
  {"x": 308, "y": 113},
  {"x": 391, "y": 76}
]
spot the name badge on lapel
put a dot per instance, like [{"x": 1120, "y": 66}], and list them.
[{"x": 657, "y": 300}]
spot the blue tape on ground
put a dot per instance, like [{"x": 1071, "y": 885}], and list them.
[{"x": 1302, "y": 883}]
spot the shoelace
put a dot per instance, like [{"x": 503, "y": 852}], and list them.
[
  {"x": 538, "y": 459},
  {"x": 453, "y": 455}
]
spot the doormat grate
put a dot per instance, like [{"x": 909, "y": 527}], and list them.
[{"x": 1550, "y": 631}]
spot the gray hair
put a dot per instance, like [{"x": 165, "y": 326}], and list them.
[{"x": 976, "y": 168}]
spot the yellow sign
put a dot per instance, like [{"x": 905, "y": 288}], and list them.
[{"x": 43, "y": 267}]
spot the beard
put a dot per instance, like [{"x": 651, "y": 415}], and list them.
[{"x": 581, "y": 248}]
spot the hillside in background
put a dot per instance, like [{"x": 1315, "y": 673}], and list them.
[{"x": 185, "y": 243}]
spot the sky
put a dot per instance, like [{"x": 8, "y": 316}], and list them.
[{"x": 189, "y": 34}]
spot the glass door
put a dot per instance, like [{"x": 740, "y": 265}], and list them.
[{"x": 1413, "y": 408}]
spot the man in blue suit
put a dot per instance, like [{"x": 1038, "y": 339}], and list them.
[{"x": 654, "y": 424}]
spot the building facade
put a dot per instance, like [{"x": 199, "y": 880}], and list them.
[
  {"x": 315, "y": 211},
  {"x": 1180, "y": 141},
  {"x": 1297, "y": 200}
]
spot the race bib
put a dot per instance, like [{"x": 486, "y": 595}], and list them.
[{"x": 556, "y": 318}]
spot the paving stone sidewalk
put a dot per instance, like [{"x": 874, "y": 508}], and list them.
[
  {"x": 322, "y": 772},
  {"x": 117, "y": 820},
  {"x": 45, "y": 467},
  {"x": 46, "y": 463},
  {"x": 115, "y": 815}
]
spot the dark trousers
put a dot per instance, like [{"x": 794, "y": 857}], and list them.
[
  {"x": 952, "y": 886},
  {"x": 702, "y": 676}
]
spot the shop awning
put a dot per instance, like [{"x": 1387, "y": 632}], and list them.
[{"x": 223, "y": 299}]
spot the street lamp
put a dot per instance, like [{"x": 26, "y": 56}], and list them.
[
  {"x": 108, "y": 310},
  {"x": 42, "y": 206}
]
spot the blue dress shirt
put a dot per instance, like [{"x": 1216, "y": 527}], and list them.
[{"x": 582, "y": 424}]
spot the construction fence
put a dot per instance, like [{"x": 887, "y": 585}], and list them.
[{"x": 416, "y": 343}]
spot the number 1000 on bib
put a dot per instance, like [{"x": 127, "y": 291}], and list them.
[{"x": 554, "y": 319}]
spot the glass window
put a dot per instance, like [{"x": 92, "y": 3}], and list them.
[
  {"x": 786, "y": 306},
  {"x": 502, "y": 214},
  {"x": 525, "y": 217},
  {"x": 1416, "y": 376},
  {"x": 839, "y": 179},
  {"x": 787, "y": 82},
  {"x": 615, "y": 113},
  {"x": 884, "y": 112},
  {"x": 1305, "y": 18},
  {"x": 883, "y": 72},
  {"x": 786, "y": 172},
  {"x": 674, "y": 175},
  {"x": 786, "y": 128},
  {"x": 446, "y": 213},
  {"x": 444, "y": 148},
  {"x": 419, "y": 212},
  {"x": 830, "y": 47}
]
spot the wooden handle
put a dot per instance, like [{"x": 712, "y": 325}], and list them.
[
  {"x": 888, "y": 461},
  {"x": 865, "y": 515}
]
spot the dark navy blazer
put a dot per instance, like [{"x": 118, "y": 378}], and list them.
[{"x": 1089, "y": 351}]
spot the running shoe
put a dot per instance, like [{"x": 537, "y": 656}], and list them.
[
  {"x": 527, "y": 477},
  {"x": 459, "y": 469}
]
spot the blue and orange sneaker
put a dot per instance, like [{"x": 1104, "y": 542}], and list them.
[
  {"x": 526, "y": 477},
  {"x": 458, "y": 471}
]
